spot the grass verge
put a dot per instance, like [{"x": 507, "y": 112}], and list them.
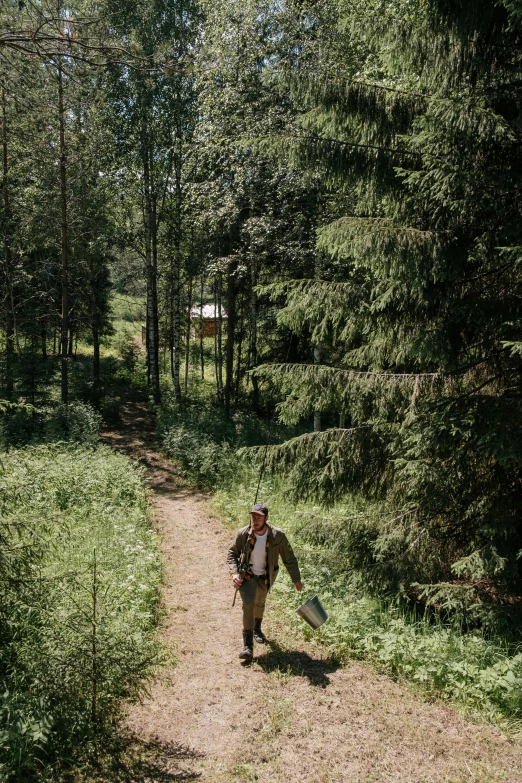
[{"x": 78, "y": 601}]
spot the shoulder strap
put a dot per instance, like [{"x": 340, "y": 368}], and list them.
[{"x": 245, "y": 547}]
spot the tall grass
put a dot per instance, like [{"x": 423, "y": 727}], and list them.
[
  {"x": 78, "y": 599},
  {"x": 22, "y": 424}
]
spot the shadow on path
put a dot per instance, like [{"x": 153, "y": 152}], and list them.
[
  {"x": 135, "y": 436},
  {"x": 136, "y": 761},
  {"x": 297, "y": 664}
]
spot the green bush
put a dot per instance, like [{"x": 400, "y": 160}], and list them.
[
  {"x": 468, "y": 668},
  {"x": 126, "y": 347},
  {"x": 203, "y": 440},
  {"x": 128, "y": 308},
  {"x": 78, "y": 599},
  {"x": 22, "y": 424},
  {"x": 199, "y": 457}
]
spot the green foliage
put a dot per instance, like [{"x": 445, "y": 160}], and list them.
[
  {"x": 79, "y": 599},
  {"x": 202, "y": 459},
  {"x": 32, "y": 280},
  {"x": 127, "y": 348},
  {"x": 415, "y": 322},
  {"x": 322, "y": 465},
  {"x": 469, "y": 669},
  {"x": 203, "y": 440},
  {"x": 362, "y": 559},
  {"x": 22, "y": 424},
  {"x": 130, "y": 309},
  {"x": 391, "y": 133}
]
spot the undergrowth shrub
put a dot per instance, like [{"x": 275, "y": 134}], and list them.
[
  {"x": 23, "y": 424},
  {"x": 78, "y": 599},
  {"x": 199, "y": 457},
  {"x": 203, "y": 440},
  {"x": 481, "y": 673},
  {"x": 126, "y": 347}
]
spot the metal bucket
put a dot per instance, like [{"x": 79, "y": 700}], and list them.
[{"x": 313, "y": 612}]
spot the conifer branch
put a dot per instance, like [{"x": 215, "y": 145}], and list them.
[
  {"x": 325, "y": 140},
  {"x": 326, "y": 465},
  {"x": 320, "y": 369}
]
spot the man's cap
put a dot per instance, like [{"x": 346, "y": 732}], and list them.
[{"x": 260, "y": 508}]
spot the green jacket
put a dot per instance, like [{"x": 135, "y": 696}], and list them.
[{"x": 279, "y": 546}]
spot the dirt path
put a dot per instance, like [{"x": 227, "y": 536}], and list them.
[{"x": 290, "y": 716}]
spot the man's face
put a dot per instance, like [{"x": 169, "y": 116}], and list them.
[{"x": 258, "y": 522}]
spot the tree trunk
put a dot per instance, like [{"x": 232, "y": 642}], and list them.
[
  {"x": 176, "y": 334},
  {"x": 231, "y": 333},
  {"x": 293, "y": 349},
  {"x": 220, "y": 337},
  {"x": 96, "y": 357},
  {"x": 176, "y": 271},
  {"x": 201, "y": 331},
  {"x": 95, "y": 331},
  {"x": 155, "y": 324},
  {"x": 63, "y": 236},
  {"x": 147, "y": 363},
  {"x": 171, "y": 319},
  {"x": 187, "y": 343},
  {"x": 253, "y": 334},
  {"x": 32, "y": 372},
  {"x": 43, "y": 335},
  {"x": 239, "y": 351},
  {"x": 216, "y": 339},
  {"x": 317, "y": 414},
  {"x": 9, "y": 356},
  {"x": 152, "y": 302},
  {"x": 10, "y": 313}
]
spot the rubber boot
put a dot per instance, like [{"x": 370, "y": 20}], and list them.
[
  {"x": 247, "y": 652},
  {"x": 259, "y": 636}
]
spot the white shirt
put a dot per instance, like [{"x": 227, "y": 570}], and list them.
[{"x": 257, "y": 558}]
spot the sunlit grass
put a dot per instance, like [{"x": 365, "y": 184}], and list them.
[{"x": 481, "y": 673}]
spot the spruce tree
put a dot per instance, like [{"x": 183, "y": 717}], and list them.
[{"x": 417, "y": 133}]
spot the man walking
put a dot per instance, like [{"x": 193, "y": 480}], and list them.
[{"x": 253, "y": 561}]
